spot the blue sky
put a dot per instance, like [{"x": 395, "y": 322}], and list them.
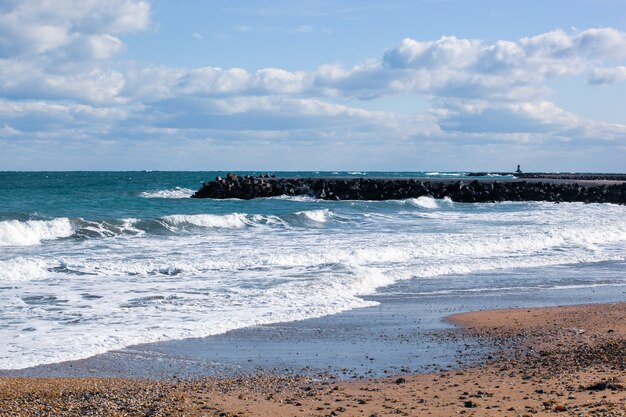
[{"x": 313, "y": 85}]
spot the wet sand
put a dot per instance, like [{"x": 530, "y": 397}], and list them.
[{"x": 562, "y": 360}]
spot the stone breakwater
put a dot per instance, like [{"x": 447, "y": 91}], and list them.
[
  {"x": 584, "y": 177},
  {"x": 466, "y": 191},
  {"x": 552, "y": 176}
]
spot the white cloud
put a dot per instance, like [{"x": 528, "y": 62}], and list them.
[
  {"x": 602, "y": 43},
  {"x": 59, "y": 79},
  {"x": 36, "y": 27},
  {"x": 453, "y": 67},
  {"x": 60, "y": 111},
  {"x": 448, "y": 52},
  {"x": 123, "y": 16},
  {"x": 366, "y": 80},
  {"x": 279, "y": 81},
  {"x": 215, "y": 81},
  {"x": 471, "y": 68},
  {"x": 103, "y": 47},
  {"x": 149, "y": 84},
  {"x": 607, "y": 75},
  {"x": 538, "y": 120},
  {"x": 97, "y": 85},
  {"x": 548, "y": 45},
  {"x": 62, "y": 50},
  {"x": 85, "y": 83},
  {"x": 7, "y": 130}
]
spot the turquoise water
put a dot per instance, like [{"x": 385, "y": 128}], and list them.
[
  {"x": 96, "y": 261},
  {"x": 113, "y": 195}
]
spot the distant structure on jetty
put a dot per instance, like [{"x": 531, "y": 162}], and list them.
[{"x": 537, "y": 188}]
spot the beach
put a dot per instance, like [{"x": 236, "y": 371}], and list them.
[
  {"x": 460, "y": 353},
  {"x": 567, "y": 360}
]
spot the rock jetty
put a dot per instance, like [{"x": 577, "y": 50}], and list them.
[
  {"x": 552, "y": 176},
  {"x": 466, "y": 191},
  {"x": 583, "y": 177}
]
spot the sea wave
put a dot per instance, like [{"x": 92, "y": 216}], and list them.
[
  {"x": 226, "y": 221},
  {"x": 317, "y": 216},
  {"x": 425, "y": 255},
  {"x": 220, "y": 221},
  {"x": 424, "y": 202},
  {"x": 445, "y": 174},
  {"x": 241, "y": 220},
  {"x": 296, "y": 198},
  {"x": 177, "y": 192},
  {"x": 107, "y": 228},
  {"x": 239, "y": 269},
  {"x": 23, "y": 269},
  {"x": 33, "y": 232}
]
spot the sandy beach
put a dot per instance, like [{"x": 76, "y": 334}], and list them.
[{"x": 566, "y": 360}]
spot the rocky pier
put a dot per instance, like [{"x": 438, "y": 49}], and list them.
[{"x": 467, "y": 191}]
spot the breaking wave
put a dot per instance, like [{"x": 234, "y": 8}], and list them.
[
  {"x": 317, "y": 216},
  {"x": 32, "y": 232},
  {"x": 226, "y": 221},
  {"x": 177, "y": 192},
  {"x": 185, "y": 274},
  {"x": 424, "y": 202}
]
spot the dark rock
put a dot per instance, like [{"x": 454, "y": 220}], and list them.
[
  {"x": 587, "y": 176},
  {"x": 604, "y": 385},
  {"x": 469, "y": 404},
  {"x": 250, "y": 187}
]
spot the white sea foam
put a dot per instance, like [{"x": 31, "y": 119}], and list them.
[
  {"x": 317, "y": 216},
  {"x": 445, "y": 174},
  {"x": 22, "y": 269},
  {"x": 220, "y": 221},
  {"x": 177, "y": 192},
  {"x": 226, "y": 221},
  {"x": 32, "y": 232},
  {"x": 111, "y": 293},
  {"x": 297, "y": 198},
  {"x": 424, "y": 202},
  {"x": 87, "y": 228}
]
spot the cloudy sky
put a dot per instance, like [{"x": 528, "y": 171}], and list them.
[{"x": 313, "y": 85}]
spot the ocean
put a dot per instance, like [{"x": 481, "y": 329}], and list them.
[{"x": 96, "y": 261}]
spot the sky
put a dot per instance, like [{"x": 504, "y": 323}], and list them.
[{"x": 411, "y": 85}]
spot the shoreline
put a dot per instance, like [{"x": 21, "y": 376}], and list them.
[
  {"x": 569, "y": 360},
  {"x": 404, "y": 333}
]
